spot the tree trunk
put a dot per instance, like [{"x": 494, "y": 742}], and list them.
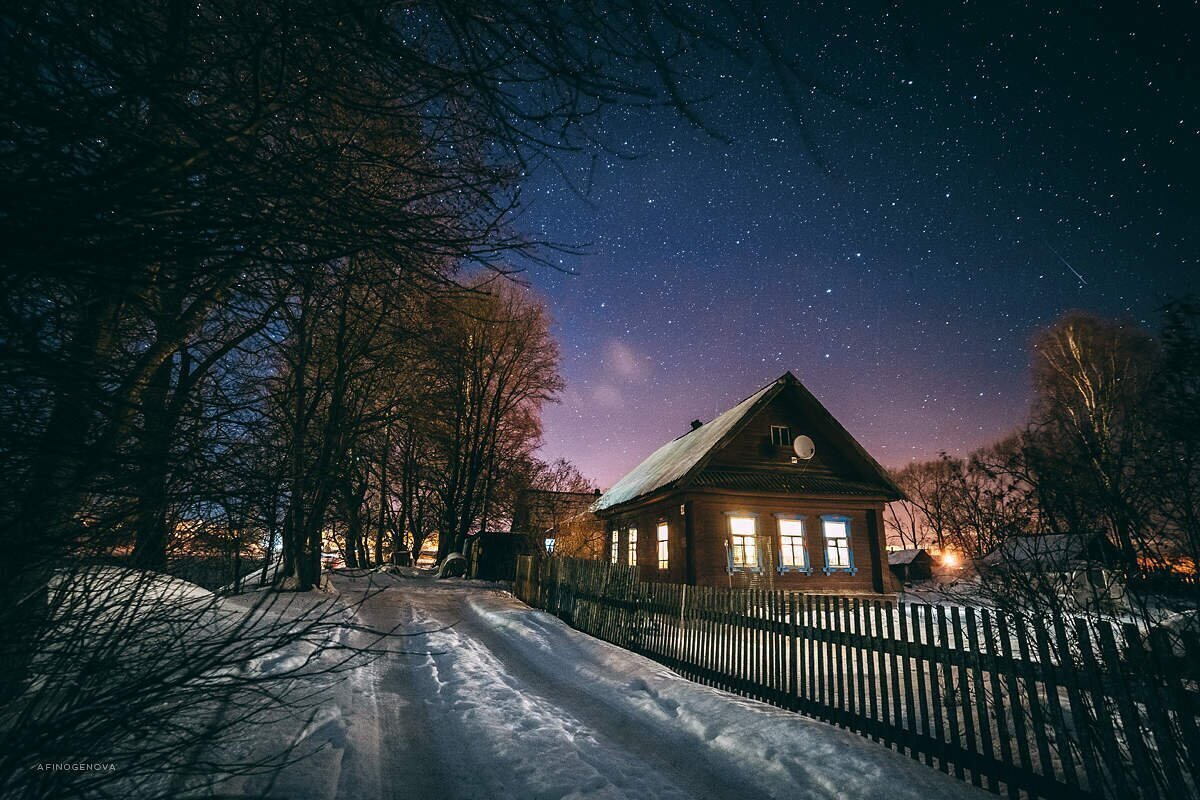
[{"x": 153, "y": 456}]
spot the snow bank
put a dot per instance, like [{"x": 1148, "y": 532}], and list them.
[
  {"x": 782, "y": 752},
  {"x": 100, "y": 592},
  {"x": 252, "y": 581}
]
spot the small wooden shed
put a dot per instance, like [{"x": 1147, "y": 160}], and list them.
[
  {"x": 492, "y": 555},
  {"x": 911, "y": 565}
]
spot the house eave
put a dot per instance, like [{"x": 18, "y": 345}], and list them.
[{"x": 665, "y": 493}]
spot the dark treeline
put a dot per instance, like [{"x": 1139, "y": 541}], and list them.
[
  {"x": 235, "y": 241},
  {"x": 258, "y": 295},
  {"x": 1111, "y": 447}
]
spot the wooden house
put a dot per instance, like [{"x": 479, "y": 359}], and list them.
[
  {"x": 562, "y": 521},
  {"x": 1080, "y": 569},
  {"x": 738, "y": 502},
  {"x": 492, "y": 555}
]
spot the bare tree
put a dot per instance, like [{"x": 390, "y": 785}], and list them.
[
  {"x": 926, "y": 516},
  {"x": 1089, "y": 377},
  {"x": 499, "y": 365},
  {"x": 1169, "y": 457}
]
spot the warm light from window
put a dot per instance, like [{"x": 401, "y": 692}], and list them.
[
  {"x": 791, "y": 544},
  {"x": 662, "y": 546},
  {"x": 744, "y": 547},
  {"x": 837, "y": 543}
]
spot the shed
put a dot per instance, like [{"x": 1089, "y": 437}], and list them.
[
  {"x": 493, "y": 554},
  {"x": 914, "y": 564},
  {"x": 1051, "y": 553}
]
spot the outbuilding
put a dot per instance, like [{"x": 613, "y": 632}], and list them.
[
  {"x": 910, "y": 565},
  {"x": 1078, "y": 568}
]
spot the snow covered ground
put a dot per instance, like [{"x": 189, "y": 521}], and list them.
[{"x": 496, "y": 700}]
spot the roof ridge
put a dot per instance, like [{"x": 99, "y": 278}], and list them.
[
  {"x": 681, "y": 459},
  {"x": 678, "y": 459}
]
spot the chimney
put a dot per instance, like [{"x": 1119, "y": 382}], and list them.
[{"x": 696, "y": 424}]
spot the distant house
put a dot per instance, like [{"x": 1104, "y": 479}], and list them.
[
  {"x": 1051, "y": 552},
  {"x": 562, "y": 522},
  {"x": 1076, "y": 566},
  {"x": 910, "y": 565},
  {"x": 738, "y": 502}
]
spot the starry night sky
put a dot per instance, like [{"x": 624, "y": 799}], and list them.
[{"x": 986, "y": 168}]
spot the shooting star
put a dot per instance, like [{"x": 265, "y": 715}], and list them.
[{"x": 1067, "y": 264}]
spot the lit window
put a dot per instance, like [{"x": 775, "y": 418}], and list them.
[
  {"x": 781, "y": 435},
  {"x": 615, "y": 550},
  {"x": 549, "y": 542},
  {"x": 838, "y": 556},
  {"x": 743, "y": 545},
  {"x": 633, "y": 547},
  {"x": 663, "y": 557},
  {"x": 793, "y": 555}
]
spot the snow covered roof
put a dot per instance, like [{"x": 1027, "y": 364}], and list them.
[
  {"x": 683, "y": 459},
  {"x": 904, "y": 556},
  {"x": 1053, "y": 551},
  {"x": 675, "y": 459}
]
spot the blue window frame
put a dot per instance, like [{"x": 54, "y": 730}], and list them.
[
  {"x": 615, "y": 548},
  {"x": 793, "y": 550},
  {"x": 741, "y": 547},
  {"x": 839, "y": 556},
  {"x": 549, "y": 543}
]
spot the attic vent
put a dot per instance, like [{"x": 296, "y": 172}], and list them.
[
  {"x": 696, "y": 424},
  {"x": 781, "y": 436}
]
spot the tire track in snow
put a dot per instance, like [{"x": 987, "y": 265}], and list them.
[
  {"x": 392, "y": 754},
  {"x": 627, "y": 756}
]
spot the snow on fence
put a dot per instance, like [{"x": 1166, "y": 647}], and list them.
[{"x": 1058, "y": 707}]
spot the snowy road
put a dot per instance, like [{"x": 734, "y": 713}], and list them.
[{"x": 507, "y": 702}]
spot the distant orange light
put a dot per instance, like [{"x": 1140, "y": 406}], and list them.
[{"x": 950, "y": 560}]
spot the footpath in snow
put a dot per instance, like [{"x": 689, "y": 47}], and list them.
[{"x": 502, "y": 701}]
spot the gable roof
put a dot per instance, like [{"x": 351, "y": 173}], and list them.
[
  {"x": 898, "y": 557},
  {"x": 677, "y": 461}
]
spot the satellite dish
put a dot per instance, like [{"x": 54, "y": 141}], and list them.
[{"x": 804, "y": 447}]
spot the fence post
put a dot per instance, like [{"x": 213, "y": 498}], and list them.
[
  {"x": 1160, "y": 719},
  {"x": 1131, "y": 722},
  {"x": 793, "y": 655},
  {"x": 1101, "y": 717}
]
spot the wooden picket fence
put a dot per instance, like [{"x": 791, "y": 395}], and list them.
[{"x": 1060, "y": 707}]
